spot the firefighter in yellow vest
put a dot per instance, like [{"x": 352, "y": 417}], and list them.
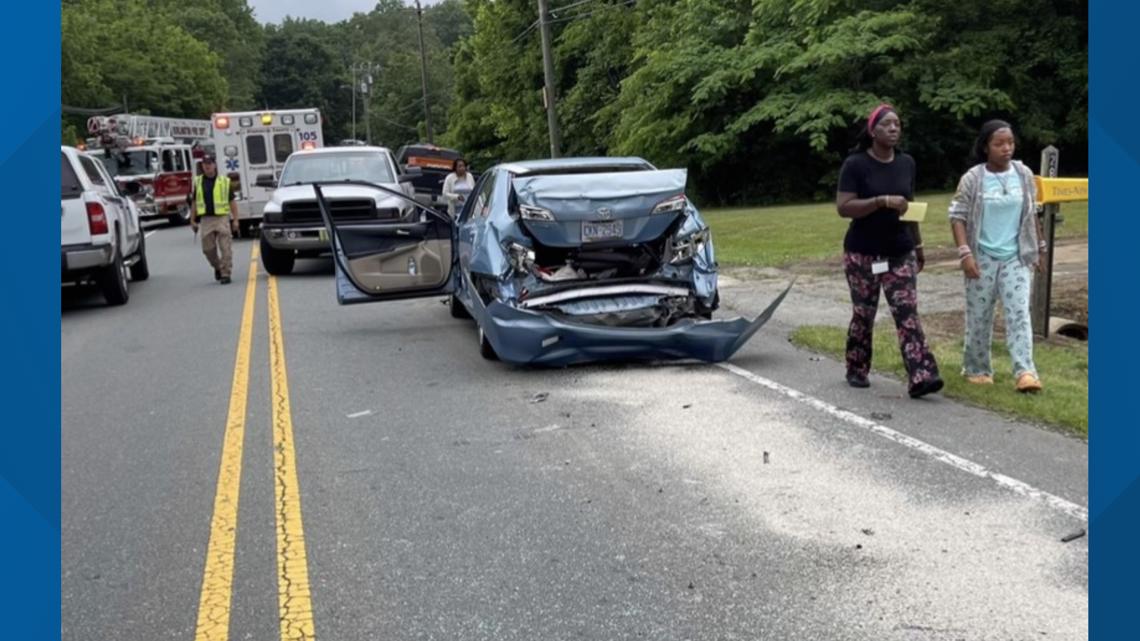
[{"x": 214, "y": 205}]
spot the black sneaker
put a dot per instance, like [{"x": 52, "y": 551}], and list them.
[
  {"x": 926, "y": 387},
  {"x": 857, "y": 381},
  {"x": 217, "y": 275},
  {"x": 225, "y": 280}
]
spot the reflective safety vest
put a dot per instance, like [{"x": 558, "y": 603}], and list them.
[{"x": 221, "y": 196}]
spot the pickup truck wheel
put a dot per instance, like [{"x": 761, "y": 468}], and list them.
[
  {"x": 278, "y": 262},
  {"x": 140, "y": 271},
  {"x": 112, "y": 280},
  {"x": 455, "y": 306},
  {"x": 486, "y": 350}
]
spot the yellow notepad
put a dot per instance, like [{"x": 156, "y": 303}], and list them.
[{"x": 915, "y": 213}]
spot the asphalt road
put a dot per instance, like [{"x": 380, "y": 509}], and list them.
[{"x": 443, "y": 496}]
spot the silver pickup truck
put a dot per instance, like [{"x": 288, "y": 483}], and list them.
[
  {"x": 101, "y": 239},
  {"x": 291, "y": 225}
]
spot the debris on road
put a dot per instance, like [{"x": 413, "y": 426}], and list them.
[
  {"x": 881, "y": 416},
  {"x": 765, "y": 458},
  {"x": 1074, "y": 536},
  {"x": 359, "y": 414},
  {"x": 868, "y": 531},
  {"x": 686, "y": 406},
  {"x": 540, "y": 397}
]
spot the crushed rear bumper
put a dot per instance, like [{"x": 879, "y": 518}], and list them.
[{"x": 527, "y": 337}]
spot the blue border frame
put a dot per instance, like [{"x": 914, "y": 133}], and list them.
[
  {"x": 1114, "y": 166},
  {"x": 29, "y": 456}
]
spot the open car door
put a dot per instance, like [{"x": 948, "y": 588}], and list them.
[{"x": 390, "y": 259}]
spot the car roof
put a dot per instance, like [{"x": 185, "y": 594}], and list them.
[
  {"x": 554, "y": 164},
  {"x": 349, "y": 149}
]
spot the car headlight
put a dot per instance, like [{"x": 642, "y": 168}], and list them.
[
  {"x": 535, "y": 213},
  {"x": 670, "y": 205},
  {"x": 272, "y": 208},
  {"x": 685, "y": 248}
]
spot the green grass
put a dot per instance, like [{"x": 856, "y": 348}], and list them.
[
  {"x": 1063, "y": 369},
  {"x": 775, "y": 236}
]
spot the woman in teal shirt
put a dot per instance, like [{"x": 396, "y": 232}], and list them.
[{"x": 995, "y": 224}]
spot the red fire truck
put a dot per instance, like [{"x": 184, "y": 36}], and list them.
[{"x": 158, "y": 155}]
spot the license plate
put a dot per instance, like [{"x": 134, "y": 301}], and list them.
[{"x": 593, "y": 232}]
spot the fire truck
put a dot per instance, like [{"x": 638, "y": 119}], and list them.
[
  {"x": 153, "y": 159},
  {"x": 252, "y": 146}
]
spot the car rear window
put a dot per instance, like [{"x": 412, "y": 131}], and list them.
[{"x": 71, "y": 187}]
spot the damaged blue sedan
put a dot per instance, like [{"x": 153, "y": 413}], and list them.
[{"x": 558, "y": 261}]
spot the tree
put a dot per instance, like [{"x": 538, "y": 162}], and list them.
[{"x": 113, "y": 49}]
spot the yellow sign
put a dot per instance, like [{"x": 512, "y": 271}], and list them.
[{"x": 1061, "y": 190}]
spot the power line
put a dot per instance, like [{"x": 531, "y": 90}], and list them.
[
  {"x": 525, "y": 31},
  {"x": 580, "y": 16}
]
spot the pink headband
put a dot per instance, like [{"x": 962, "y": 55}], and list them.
[{"x": 874, "y": 117}]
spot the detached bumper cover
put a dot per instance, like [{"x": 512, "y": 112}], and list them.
[{"x": 532, "y": 338}]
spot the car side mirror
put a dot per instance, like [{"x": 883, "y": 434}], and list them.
[{"x": 267, "y": 181}]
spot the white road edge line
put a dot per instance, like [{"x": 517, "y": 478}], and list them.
[{"x": 953, "y": 460}]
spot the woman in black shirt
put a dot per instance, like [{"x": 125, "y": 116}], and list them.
[{"x": 882, "y": 253}]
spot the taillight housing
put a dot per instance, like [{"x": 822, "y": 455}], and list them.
[
  {"x": 97, "y": 219},
  {"x": 670, "y": 205}
]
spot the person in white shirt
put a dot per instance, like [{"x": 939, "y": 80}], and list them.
[{"x": 457, "y": 186}]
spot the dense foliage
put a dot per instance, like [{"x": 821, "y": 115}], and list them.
[{"x": 760, "y": 99}]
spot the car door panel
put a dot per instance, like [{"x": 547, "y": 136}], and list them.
[{"x": 386, "y": 260}]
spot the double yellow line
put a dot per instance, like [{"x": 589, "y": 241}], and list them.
[{"x": 294, "y": 602}]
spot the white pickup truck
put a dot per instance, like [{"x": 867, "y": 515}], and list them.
[{"x": 101, "y": 239}]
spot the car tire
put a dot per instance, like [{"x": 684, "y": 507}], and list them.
[
  {"x": 278, "y": 262},
  {"x": 140, "y": 271},
  {"x": 112, "y": 281},
  {"x": 486, "y": 350},
  {"x": 245, "y": 228},
  {"x": 456, "y": 307}
]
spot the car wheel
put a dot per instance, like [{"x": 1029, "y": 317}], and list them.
[
  {"x": 112, "y": 280},
  {"x": 245, "y": 228},
  {"x": 456, "y": 307},
  {"x": 140, "y": 271},
  {"x": 486, "y": 350},
  {"x": 278, "y": 262}
]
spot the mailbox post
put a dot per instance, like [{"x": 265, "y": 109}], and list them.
[{"x": 1043, "y": 283}]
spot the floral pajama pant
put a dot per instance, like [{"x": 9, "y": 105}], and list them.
[
  {"x": 899, "y": 283},
  {"x": 1012, "y": 282}
]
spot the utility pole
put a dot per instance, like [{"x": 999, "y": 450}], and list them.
[
  {"x": 354, "y": 101},
  {"x": 550, "y": 101},
  {"x": 423, "y": 69},
  {"x": 366, "y": 89}
]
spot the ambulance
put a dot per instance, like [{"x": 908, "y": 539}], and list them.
[{"x": 251, "y": 148}]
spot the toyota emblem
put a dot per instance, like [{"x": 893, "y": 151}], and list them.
[{"x": 605, "y": 213}]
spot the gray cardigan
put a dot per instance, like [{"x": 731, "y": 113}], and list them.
[{"x": 968, "y": 206}]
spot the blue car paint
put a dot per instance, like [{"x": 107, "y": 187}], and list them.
[{"x": 524, "y": 336}]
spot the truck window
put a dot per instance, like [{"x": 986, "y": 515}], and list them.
[
  {"x": 71, "y": 187},
  {"x": 282, "y": 146},
  {"x": 92, "y": 171},
  {"x": 168, "y": 160},
  {"x": 255, "y": 149}
]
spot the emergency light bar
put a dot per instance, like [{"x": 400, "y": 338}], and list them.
[
  {"x": 222, "y": 122},
  {"x": 267, "y": 119}
]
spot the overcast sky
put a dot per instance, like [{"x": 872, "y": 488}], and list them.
[{"x": 274, "y": 11}]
